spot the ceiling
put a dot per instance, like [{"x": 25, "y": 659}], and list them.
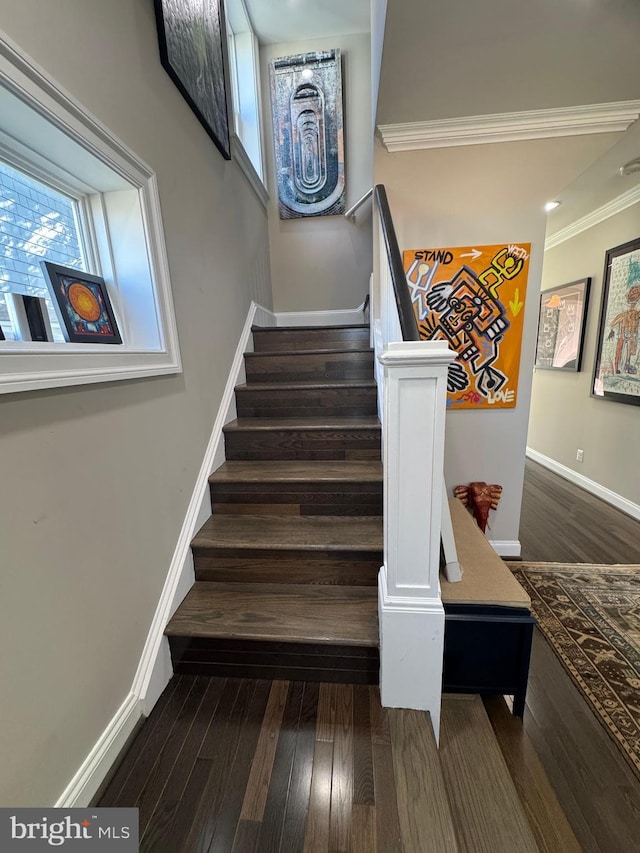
[
  {"x": 276, "y": 21},
  {"x": 452, "y": 58}
]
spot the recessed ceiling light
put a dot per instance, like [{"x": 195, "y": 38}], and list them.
[
  {"x": 551, "y": 205},
  {"x": 631, "y": 167}
]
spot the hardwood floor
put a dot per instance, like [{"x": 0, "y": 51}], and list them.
[
  {"x": 560, "y": 522},
  {"x": 244, "y": 766},
  {"x": 252, "y": 766},
  {"x": 596, "y": 789}
]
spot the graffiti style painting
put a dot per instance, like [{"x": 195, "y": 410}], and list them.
[
  {"x": 306, "y": 103},
  {"x": 617, "y": 369},
  {"x": 473, "y": 298}
]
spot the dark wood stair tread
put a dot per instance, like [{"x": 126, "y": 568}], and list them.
[
  {"x": 299, "y": 471},
  {"x": 286, "y": 533},
  {"x": 279, "y": 612},
  {"x": 306, "y": 384},
  {"x": 319, "y": 329},
  {"x": 294, "y": 353},
  {"x": 310, "y": 424}
]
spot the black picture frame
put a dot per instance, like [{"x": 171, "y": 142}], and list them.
[
  {"x": 82, "y": 304},
  {"x": 192, "y": 39},
  {"x": 616, "y": 369},
  {"x": 561, "y": 326}
]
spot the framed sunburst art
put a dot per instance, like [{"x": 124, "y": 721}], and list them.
[{"x": 82, "y": 305}]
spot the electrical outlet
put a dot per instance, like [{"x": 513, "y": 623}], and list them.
[{"x": 580, "y": 455}]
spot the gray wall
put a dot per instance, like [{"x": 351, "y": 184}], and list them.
[
  {"x": 325, "y": 262},
  {"x": 563, "y": 415},
  {"x": 96, "y": 480}
]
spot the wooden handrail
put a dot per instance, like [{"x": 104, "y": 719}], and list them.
[{"x": 407, "y": 318}]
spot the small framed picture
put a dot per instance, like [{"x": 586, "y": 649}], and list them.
[
  {"x": 563, "y": 312},
  {"x": 82, "y": 305},
  {"x": 616, "y": 372}
]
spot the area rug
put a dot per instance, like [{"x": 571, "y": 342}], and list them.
[{"x": 591, "y": 616}]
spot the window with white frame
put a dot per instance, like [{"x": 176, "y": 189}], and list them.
[
  {"x": 72, "y": 194},
  {"x": 36, "y": 223},
  {"x": 244, "y": 67}
]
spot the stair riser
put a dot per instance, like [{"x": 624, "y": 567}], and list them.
[
  {"x": 297, "y": 498},
  {"x": 310, "y": 339},
  {"x": 306, "y": 402},
  {"x": 296, "y": 662},
  {"x": 299, "y": 367},
  {"x": 338, "y": 568},
  {"x": 302, "y": 444}
]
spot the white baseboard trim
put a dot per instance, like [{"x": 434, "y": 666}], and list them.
[
  {"x": 154, "y": 669},
  {"x": 345, "y": 317},
  {"x": 97, "y": 764},
  {"x": 602, "y": 492},
  {"x": 506, "y": 547}
]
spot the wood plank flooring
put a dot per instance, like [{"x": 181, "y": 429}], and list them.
[
  {"x": 487, "y": 812},
  {"x": 258, "y": 766},
  {"x": 560, "y": 522},
  {"x": 595, "y": 787}
]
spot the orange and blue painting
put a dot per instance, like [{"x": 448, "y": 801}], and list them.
[{"x": 473, "y": 297}]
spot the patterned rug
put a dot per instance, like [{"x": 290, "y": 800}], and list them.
[{"x": 591, "y": 616}]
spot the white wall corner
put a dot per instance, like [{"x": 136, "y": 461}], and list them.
[
  {"x": 154, "y": 669},
  {"x": 591, "y": 486},
  {"x": 510, "y": 127},
  {"x": 411, "y": 652}
]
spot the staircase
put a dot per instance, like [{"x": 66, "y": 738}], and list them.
[{"x": 286, "y": 566}]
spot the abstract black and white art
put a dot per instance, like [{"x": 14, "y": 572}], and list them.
[
  {"x": 191, "y": 35},
  {"x": 306, "y": 103}
]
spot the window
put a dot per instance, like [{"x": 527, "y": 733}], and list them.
[
  {"x": 72, "y": 192},
  {"x": 244, "y": 69},
  {"x": 36, "y": 223}
]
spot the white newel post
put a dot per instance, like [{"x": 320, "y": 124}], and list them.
[{"x": 410, "y": 608}]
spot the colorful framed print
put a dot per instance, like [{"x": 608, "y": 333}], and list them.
[
  {"x": 561, "y": 325},
  {"x": 473, "y": 297},
  {"x": 616, "y": 373},
  {"x": 82, "y": 305},
  {"x": 192, "y": 40}
]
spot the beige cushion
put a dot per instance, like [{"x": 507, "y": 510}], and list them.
[{"x": 485, "y": 578}]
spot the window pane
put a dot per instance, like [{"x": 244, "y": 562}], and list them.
[{"x": 36, "y": 223}]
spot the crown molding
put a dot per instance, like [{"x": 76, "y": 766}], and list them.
[
  {"x": 616, "y": 205},
  {"x": 510, "y": 127}
]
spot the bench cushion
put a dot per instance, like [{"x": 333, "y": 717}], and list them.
[{"x": 485, "y": 579}]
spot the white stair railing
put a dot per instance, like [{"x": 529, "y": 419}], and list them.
[{"x": 412, "y": 380}]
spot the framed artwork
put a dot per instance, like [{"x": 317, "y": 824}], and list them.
[
  {"x": 616, "y": 373},
  {"x": 561, "y": 326},
  {"x": 308, "y": 133},
  {"x": 82, "y": 305},
  {"x": 192, "y": 41},
  {"x": 473, "y": 297}
]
